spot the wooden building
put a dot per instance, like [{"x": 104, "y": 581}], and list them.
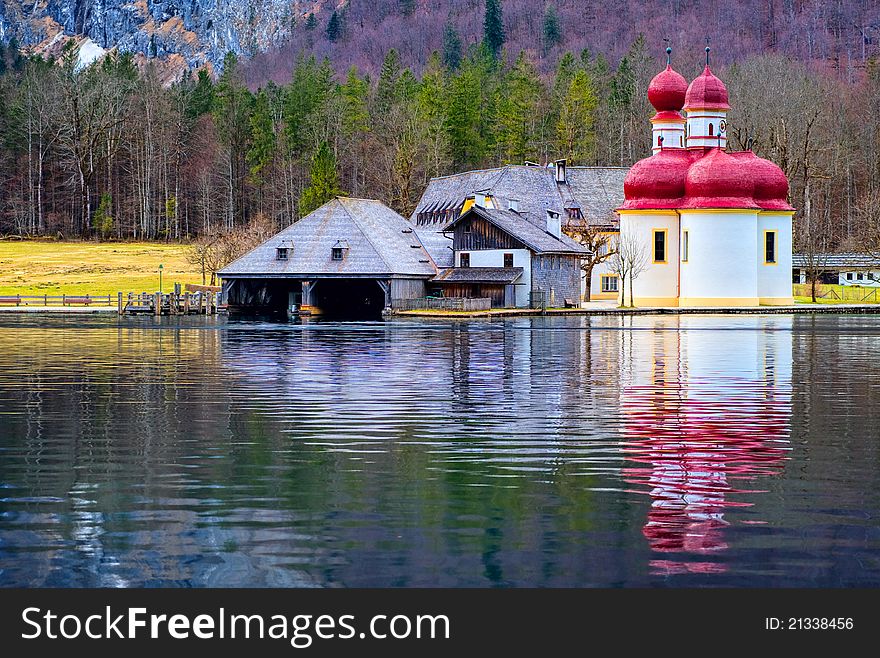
[
  {"x": 578, "y": 196},
  {"x": 349, "y": 257},
  {"x": 507, "y": 257}
]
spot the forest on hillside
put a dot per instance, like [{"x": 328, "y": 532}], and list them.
[{"x": 107, "y": 151}]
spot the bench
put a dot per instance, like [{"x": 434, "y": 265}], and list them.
[
  {"x": 570, "y": 303},
  {"x": 67, "y": 301},
  {"x": 16, "y": 299}
]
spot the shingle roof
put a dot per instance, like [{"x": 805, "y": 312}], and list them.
[
  {"x": 436, "y": 244},
  {"x": 597, "y": 191},
  {"x": 837, "y": 261},
  {"x": 534, "y": 237},
  {"x": 379, "y": 241},
  {"x": 479, "y": 275}
]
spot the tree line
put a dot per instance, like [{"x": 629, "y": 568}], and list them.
[{"x": 109, "y": 151}]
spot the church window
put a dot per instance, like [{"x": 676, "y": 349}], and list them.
[
  {"x": 711, "y": 129},
  {"x": 660, "y": 245},
  {"x": 770, "y": 247}
]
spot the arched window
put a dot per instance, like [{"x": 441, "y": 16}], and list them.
[{"x": 711, "y": 129}]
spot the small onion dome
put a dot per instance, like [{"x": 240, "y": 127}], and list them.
[
  {"x": 667, "y": 116},
  {"x": 718, "y": 180},
  {"x": 706, "y": 92},
  {"x": 657, "y": 182},
  {"x": 771, "y": 184},
  {"x": 667, "y": 90}
]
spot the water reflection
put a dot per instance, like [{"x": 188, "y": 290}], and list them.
[
  {"x": 700, "y": 434},
  {"x": 542, "y": 452}
]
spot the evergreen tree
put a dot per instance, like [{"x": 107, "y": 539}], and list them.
[
  {"x": 451, "y": 47},
  {"x": 493, "y": 28},
  {"x": 355, "y": 93},
  {"x": 311, "y": 22},
  {"x": 433, "y": 114},
  {"x": 263, "y": 141},
  {"x": 623, "y": 86},
  {"x": 324, "y": 181},
  {"x": 574, "y": 129},
  {"x": 231, "y": 118},
  {"x": 334, "y": 28},
  {"x": 389, "y": 79},
  {"x": 102, "y": 221},
  {"x": 471, "y": 96},
  {"x": 551, "y": 29},
  {"x": 407, "y": 7},
  {"x": 518, "y": 113},
  {"x": 306, "y": 97},
  {"x": 201, "y": 98}
]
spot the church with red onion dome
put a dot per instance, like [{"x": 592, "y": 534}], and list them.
[{"x": 715, "y": 226}]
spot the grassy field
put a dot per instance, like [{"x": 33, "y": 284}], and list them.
[
  {"x": 36, "y": 267},
  {"x": 836, "y": 294}
]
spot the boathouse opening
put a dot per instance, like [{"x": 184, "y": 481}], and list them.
[{"x": 348, "y": 299}]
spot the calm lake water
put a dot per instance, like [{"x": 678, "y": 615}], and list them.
[{"x": 677, "y": 451}]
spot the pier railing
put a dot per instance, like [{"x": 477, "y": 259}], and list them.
[
  {"x": 443, "y": 304},
  {"x": 187, "y": 303},
  {"x": 57, "y": 300}
]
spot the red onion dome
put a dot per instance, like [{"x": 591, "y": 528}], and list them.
[
  {"x": 771, "y": 184},
  {"x": 667, "y": 90},
  {"x": 657, "y": 182},
  {"x": 719, "y": 180},
  {"x": 706, "y": 92}
]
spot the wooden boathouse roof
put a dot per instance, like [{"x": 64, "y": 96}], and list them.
[{"x": 373, "y": 239}]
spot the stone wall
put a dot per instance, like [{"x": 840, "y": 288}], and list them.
[{"x": 559, "y": 277}]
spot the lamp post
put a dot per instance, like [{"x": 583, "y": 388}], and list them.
[{"x": 161, "y": 267}]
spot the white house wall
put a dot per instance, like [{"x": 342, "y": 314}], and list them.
[{"x": 495, "y": 258}]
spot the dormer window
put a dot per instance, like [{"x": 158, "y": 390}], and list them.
[
  {"x": 282, "y": 253},
  {"x": 337, "y": 251}
]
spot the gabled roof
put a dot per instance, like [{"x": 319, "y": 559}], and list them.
[
  {"x": 597, "y": 191},
  {"x": 378, "y": 241},
  {"x": 514, "y": 224},
  {"x": 436, "y": 244}
]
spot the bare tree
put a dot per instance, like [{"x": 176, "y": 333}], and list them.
[
  {"x": 630, "y": 259},
  {"x": 599, "y": 244}
]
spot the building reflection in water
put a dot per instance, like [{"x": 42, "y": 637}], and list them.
[{"x": 701, "y": 429}]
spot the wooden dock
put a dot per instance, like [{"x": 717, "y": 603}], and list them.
[{"x": 186, "y": 303}]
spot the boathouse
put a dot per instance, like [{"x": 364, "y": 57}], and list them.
[{"x": 349, "y": 257}]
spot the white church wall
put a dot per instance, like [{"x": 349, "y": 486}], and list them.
[
  {"x": 720, "y": 268},
  {"x": 774, "y": 280},
  {"x": 657, "y": 284}
]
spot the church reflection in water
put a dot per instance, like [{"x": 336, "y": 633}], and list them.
[{"x": 701, "y": 430}]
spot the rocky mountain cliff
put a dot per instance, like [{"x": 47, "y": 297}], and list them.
[{"x": 183, "y": 33}]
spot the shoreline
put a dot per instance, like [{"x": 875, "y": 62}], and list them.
[{"x": 799, "y": 309}]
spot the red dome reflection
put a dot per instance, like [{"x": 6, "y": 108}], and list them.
[{"x": 697, "y": 446}]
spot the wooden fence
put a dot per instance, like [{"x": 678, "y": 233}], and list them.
[
  {"x": 442, "y": 304},
  {"x": 57, "y": 300},
  {"x": 852, "y": 294}
]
